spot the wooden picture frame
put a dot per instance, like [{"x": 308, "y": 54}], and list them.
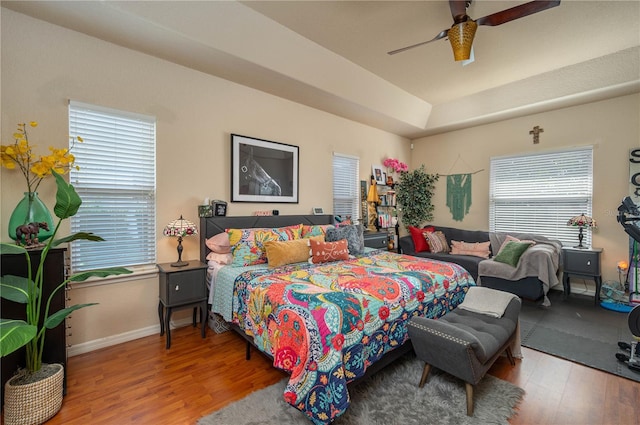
[{"x": 263, "y": 171}]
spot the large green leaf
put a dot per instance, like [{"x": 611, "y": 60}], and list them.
[
  {"x": 78, "y": 236},
  {"x": 14, "y": 334},
  {"x": 10, "y": 248},
  {"x": 15, "y": 288},
  {"x": 67, "y": 199},
  {"x": 82, "y": 276},
  {"x": 55, "y": 319}
]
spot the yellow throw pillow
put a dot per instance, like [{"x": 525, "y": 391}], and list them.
[{"x": 280, "y": 253}]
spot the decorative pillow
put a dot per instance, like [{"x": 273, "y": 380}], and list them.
[
  {"x": 437, "y": 242},
  {"x": 419, "y": 241},
  {"x": 247, "y": 245},
  {"x": 324, "y": 252},
  {"x": 478, "y": 249},
  {"x": 511, "y": 252},
  {"x": 219, "y": 243},
  {"x": 315, "y": 230},
  {"x": 354, "y": 234},
  {"x": 220, "y": 258},
  {"x": 280, "y": 253},
  {"x": 511, "y": 238}
]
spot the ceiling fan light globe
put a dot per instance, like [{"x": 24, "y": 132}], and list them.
[{"x": 461, "y": 38}]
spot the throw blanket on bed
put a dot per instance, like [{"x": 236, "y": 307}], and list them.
[
  {"x": 326, "y": 324},
  {"x": 540, "y": 260}
]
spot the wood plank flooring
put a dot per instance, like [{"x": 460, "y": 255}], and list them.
[{"x": 139, "y": 382}]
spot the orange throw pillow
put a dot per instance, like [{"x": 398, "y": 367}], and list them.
[{"x": 324, "y": 252}]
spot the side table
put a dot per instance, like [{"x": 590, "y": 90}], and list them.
[
  {"x": 182, "y": 287},
  {"x": 377, "y": 240},
  {"x": 584, "y": 263}
]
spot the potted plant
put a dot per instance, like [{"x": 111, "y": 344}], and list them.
[
  {"x": 36, "y": 391},
  {"x": 414, "y": 192}
]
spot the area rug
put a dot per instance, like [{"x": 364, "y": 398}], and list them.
[
  {"x": 577, "y": 330},
  {"x": 389, "y": 397}
]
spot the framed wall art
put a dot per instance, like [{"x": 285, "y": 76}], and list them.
[
  {"x": 378, "y": 174},
  {"x": 263, "y": 171}
]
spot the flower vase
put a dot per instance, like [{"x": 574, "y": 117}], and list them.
[{"x": 30, "y": 210}]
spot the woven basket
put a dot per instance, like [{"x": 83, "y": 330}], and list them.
[{"x": 34, "y": 403}]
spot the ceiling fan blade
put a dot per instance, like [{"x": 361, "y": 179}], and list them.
[
  {"x": 442, "y": 34},
  {"x": 516, "y": 12}
]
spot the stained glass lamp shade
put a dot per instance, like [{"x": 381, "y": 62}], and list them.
[
  {"x": 180, "y": 228},
  {"x": 581, "y": 221}
]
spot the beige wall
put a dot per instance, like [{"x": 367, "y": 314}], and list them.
[
  {"x": 610, "y": 126},
  {"x": 43, "y": 66}
]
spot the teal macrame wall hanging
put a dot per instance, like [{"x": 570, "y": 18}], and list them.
[
  {"x": 459, "y": 195},
  {"x": 459, "y": 192}
]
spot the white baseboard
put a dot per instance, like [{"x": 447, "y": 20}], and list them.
[{"x": 96, "y": 344}]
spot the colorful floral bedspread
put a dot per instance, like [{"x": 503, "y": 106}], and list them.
[{"x": 326, "y": 324}]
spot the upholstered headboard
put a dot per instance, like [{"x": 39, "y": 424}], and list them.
[{"x": 213, "y": 225}]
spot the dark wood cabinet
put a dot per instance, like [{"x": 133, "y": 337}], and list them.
[
  {"x": 182, "y": 287},
  {"x": 55, "y": 348}
]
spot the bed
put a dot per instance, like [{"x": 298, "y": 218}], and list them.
[{"x": 328, "y": 324}]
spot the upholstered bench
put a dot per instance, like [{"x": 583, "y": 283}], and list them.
[{"x": 467, "y": 341}]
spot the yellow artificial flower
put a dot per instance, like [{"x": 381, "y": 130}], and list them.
[{"x": 20, "y": 154}]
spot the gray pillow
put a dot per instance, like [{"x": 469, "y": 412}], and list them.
[{"x": 352, "y": 233}]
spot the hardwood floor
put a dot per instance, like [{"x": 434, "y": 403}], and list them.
[{"x": 140, "y": 382}]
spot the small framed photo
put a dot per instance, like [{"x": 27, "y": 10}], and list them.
[
  {"x": 378, "y": 174},
  {"x": 317, "y": 211},
  {"x": 205, "y": 211}
]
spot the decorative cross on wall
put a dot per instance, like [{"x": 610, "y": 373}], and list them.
[{"x": 536, "y": 134}]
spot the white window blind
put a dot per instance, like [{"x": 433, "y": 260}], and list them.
[
  {"x": 117, "y": 184},
  {"x": 346, "y": 195},
  {"x": 539, "y": 193}
]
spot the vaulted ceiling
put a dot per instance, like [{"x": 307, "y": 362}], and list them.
[{"x": 332, "y": 55}]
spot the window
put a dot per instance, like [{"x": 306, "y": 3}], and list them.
[
  {"x": 346, "y": 195},
  {"x": 117, "y": 184},
  {"x": 539, "y": 193}
]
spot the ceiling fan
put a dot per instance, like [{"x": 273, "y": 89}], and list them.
[{"x": 464, "y": 27}]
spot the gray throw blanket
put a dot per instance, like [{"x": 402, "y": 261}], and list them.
[{"x": 541, "y": 260}]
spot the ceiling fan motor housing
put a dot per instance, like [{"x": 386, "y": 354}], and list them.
[{"x": 461, "y": 38}]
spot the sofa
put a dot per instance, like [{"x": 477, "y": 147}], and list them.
[{"x": 536, "y": 271}]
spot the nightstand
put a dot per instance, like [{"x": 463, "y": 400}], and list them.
[
  {"x": 182, "y": 287},
  {"x": 377, "y": 240},
  {"x": 584, "y": 263}
]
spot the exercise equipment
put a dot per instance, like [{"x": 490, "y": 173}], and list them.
[{"x": 628, "y": 215}]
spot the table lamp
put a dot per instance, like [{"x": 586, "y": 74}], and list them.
[
  {"x": 180, "y": 228},
  {"x": 581, "y": 221}
]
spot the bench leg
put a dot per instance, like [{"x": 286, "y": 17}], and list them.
[
  {"x": 469, "y": 389},
  {"x": 425, "y": 374},
  {"x": 510, "y": 356}
]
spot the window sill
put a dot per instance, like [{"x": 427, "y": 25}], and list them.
[{"x": 138, "y": 272}]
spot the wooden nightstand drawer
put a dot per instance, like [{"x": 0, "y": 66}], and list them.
[
  {"x": 583, "y": 262},
  {"x": 182, "y": 285},
  {"x": 377, "y": 240},
  {"x": 185, "y": 287}
]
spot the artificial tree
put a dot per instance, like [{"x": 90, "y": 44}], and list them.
[{"x": 414, "y": 192}]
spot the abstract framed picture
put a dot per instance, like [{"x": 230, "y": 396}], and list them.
[{"x": 263, "y": 171}]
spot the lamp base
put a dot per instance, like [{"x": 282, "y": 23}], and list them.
[
  {"x": 180, "y": 264},
  {"x": 581, "y": 247}
]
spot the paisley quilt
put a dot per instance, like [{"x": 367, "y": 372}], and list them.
[{"x": 325, "y": 324}]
